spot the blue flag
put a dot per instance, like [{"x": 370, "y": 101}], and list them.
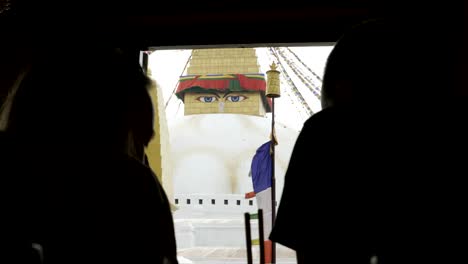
[{"x": 261, "y": 168}]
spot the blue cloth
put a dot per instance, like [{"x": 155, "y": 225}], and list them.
[{"x": 261, "y": 168}]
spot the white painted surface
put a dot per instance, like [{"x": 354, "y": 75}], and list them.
[
  {"x": 213, "y": 206},
  {"x": 215, "y": 233}
]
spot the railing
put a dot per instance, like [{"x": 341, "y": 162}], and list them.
[{"x": 216, "y": 202}]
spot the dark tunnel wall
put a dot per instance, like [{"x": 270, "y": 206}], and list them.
[{"x": 139, "y": 24}]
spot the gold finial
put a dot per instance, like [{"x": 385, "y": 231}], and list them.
[
  {"x": 273, "y": 66},
  {"x": 273, "y": 82}
]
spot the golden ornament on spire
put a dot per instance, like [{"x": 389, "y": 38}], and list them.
[
  {"x": 273, "y": 66},
  {"x": 273, "y": 82}
]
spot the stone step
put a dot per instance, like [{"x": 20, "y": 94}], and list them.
[{"x": 221, "y": 255}]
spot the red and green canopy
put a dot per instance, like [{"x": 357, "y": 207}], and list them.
[{"x": 223, "y": 82}]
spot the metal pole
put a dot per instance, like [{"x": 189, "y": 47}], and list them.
[
  {"x": 273, "y": 179},
  {"x": 261, "y": 237},
  {"x": 248, "y": 238}
]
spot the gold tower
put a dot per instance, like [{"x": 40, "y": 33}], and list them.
[{"x": 224, "y": 81}]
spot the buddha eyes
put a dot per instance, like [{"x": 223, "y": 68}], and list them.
[
  {"x": 236, "y": 98},
  {"x": 230, "y": 98},
  {"x": 207, "y": 99}
]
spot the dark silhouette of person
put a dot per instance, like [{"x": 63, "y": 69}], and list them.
[
  {"x": 377, "y": 175},
  {"x": 77, "y": 190}
]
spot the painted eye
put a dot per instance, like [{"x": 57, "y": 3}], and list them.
[
  {"x": 207, "y": 99},
  {"x": 236, "y": 98}
]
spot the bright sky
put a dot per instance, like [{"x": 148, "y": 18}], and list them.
[{"x": 168, "y": 65}]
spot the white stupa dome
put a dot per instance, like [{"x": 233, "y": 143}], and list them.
[{"x": 212, "y": 153}]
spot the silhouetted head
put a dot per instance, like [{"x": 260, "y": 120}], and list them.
[
  {"x": 383, "y": 63},
  {"x": 85, "y": 98}
]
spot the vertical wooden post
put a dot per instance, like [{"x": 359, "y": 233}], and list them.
[{"x": 273, "y": 178}]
